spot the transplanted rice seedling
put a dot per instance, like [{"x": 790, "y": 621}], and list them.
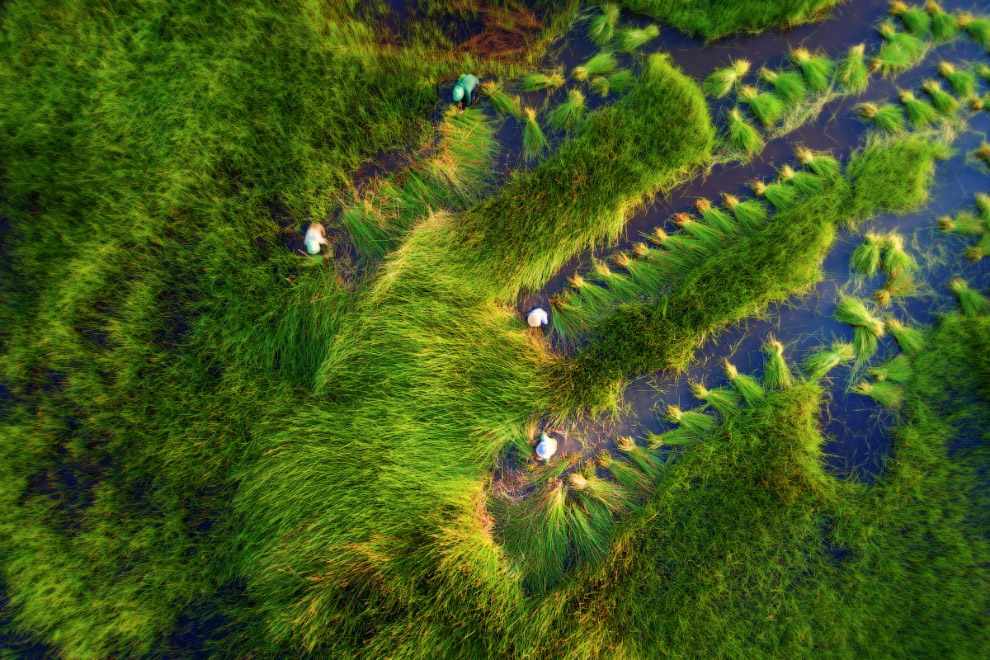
[
  {"x": 895, "y": 258},
  {"x": 852, "y": 73},
  {"x": 806, "y": 182},
  {"x": 750, "y": 214},
  {"x": 599, "y": 85},
  {"x": 909, "y": 338},
  {"x": 919, "y": 112},
  {"x": 887, "y": 118},
  {"x": 899, "y": 51},
  {"x": 532, "y": 82},
  {"x": 899, "y": 285},
  {"x": 915, "y": 19},
  {"x": 971, "y": 302},
  {"x": 887, "y": 394},
  {"x": 743, "y": 135},
  {"x": 867, "y": 328},
  {"x": 896, "y": 370},
  {"x": 776, "y": 372},
  {"x": 749, "y": 388},
  {"x": 601, "y": 28},
  {"x": 816, "y": 69},
  {"x": 722, "y": 399},
  {"x": 599, "y": 65},
  {"x": 765, "y": 106},
  {"x": 722, "y": 81},
  {"x": 866, "y": 257},
  {"x": 621, "y": 81},
  {"x": 716, "y": 218},
  {"x": 819, "y": 163},
  {"x": 697, "y": 423},
  {"x": 788, "y": 85},
  {"x": 977, "y": 27},
  {"x": 781, "y": 195},
  {"x": 567, "y": 116},
  {"x": 502, "y": 102},
  {"x": 629, "y": 39},
  {"x": 944, "y": 102},
  {"x": 963, "y": 83},
  {"x": 944, "y": 24},
  {"x": 818, "y": 364},
  {"x": 534, "y": 141},
  {"x": 707, "y": 237}
]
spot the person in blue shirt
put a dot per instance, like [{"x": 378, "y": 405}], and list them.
[{"x": 465, "y": 91}]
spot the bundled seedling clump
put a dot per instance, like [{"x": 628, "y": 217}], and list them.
[
  {"x": 545, "y": 551},
  {"x": 708, "y": 237},
  {"x": 944, "y": 24},
  {"x": 983, "y": 152},
  {"x": 866, "y": 257},
  {"x": 978, "y": 28},
  {"x": 899, "y": 285},
  {"x": 915, "y": 19},
  {"x": 887, "y": 118},
  {"x": 624, "y": 472},
  {"x": 646, "y": 275},
  {"x": 723, "y": 400},
  {"x": 749, "y": 388},
  {"x": 899, "y": 51},
  {"x": 821, "y": 164},
  {"x": 630, "y": 39},
  {"x": 502, "y": 102},
  {"x": 896, "y": 370},
  {"x": 963, "y": 83},
  {"x": 817, "y": 365},
  {"x": 946, "y": 104},
  {"x": 534, "y": 141},
  {"x": 567, "y": 116},
  {"x": 601, "y": 29},
  {"x": 805, "y": 182},
  {"x": 722, "y": 81},
  {"x": 598, "y": 65},
  {"x": 868, "y": 329},
  {"x": 964, "y": 224},
  {"x": 716, "y": 218},
  {"x": 895, "y": 257},
  {"x": 750, "y": 214},
  {"x": 681, "y": 253},
  {"x": 780, "y": 194},
  {"x": 621, "y": 286},
  {"x": 621, "y": 81},
  {"x": 816, "y": 69},
  {"x": 776, "y": 372},
  {"x": 886, "y": 393},
  {"x": 743, "y": 135},
  {"x": 765, "y": 106},
  {"x": 697, "y": 423},
  {"x": 788, "y": 85},
  {"x": 919, "y": 113},
  {"x": 852, "y": 72},
  {"x": 536, "y": 81},
  {"x": 599, "y": 85},
  {"x": 909, "y": 338},
  {"x": 971, "y": 303},
  {"x": 975, "y": 253},
  {"x": 646, "y": 463}
]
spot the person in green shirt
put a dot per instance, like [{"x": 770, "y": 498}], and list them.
[{"x": 465, "y": 91}]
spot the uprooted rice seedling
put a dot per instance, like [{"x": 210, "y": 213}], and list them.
[
  {"x": 749, "y": 389},
  {"x": 723, "y": 400},
  {"x": 720, "y": 82},
  {"x": 743, "y": 135},
  {"x": 899, "y": 285},
  {"x": 971, "y": 302},
  {"x": 909, "y": 338},
  {"x": 977, "y": 27},
  {"x": 777, "y": 373},
  {"x": 767, "y": 107},
  {"x": 866, "y": 257},
  {"x": 817, "y": 365},
  {"x": 621, "y": 81},
  {"x": 920, "y": 113},
  {"x": 886, "y": 393},
  {"x": 915, "y": 19},
  {"x": 895, "y": 257},
  {"x": 629, "y": 39},
  {"x": 946, "y": 104},
  {"x": 780, "y": 194},
  {"x": 567, "y": 116},
  {"x": 600, "y": 86},
  {"x": 534, "y": 141},
  {"x": 867, "y": 328},
  {"x": 788, "y": 85},
  {"x": 962, "y": 82},
  {"x": 502, "y": 102},
  {"x": 887, "y": 117},
  {"x": 944, "y": 25},
  {"x": 816, "y": 69},
  {"x": 532, "y": 82},
  {"x": 601, "y": 28},
  {"x": 898, "y": 369},
  {"x": 852, "y": 73},
  {"x": 598, "y": 65}
]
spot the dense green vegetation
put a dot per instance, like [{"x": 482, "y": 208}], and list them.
[{"x": 716, "y": 18}]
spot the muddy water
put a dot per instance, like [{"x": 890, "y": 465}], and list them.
[{"x": 858, "y": 430}]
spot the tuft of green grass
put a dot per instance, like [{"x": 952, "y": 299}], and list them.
[
  {"x": 777, "y": 373},
  {"x": 621, "y": 81},
  {"x": 750, "y": 214},
  {"x": 816, "y": 69},
  {"x": 707, "y": 237},
  {"x": 817, "y": 365},
  {"x": 945, "y": 26},
  {"x": 722, "y": 399},
  {"x": 788, "y": 85},
  {"x": 920, "y": 113},
  {"x": 765, "y": 106},
  {"x": 780, "y": 194},
  {"x": 532, "y": 82},
  {"x": 720, "y": 82},
  {"x": 503, "y": 103},
  {"x": 868, "y": 329},
  {"x": 600, "y": 86},
  {"x": 716, "y": 218},
  {"x": 899, "y": 285},
  {"x": 821, "y": 164},
  {"x": 946, "y": 104},
  {"x": 743, "y": 135},
  {"x": 898, "y": 369},
  {"x": 600, "y": 64},
  {"x": 886, "y": 118},
  {"x": 629, "y": 39},
  {"x": 852, "y": 72},
  {"x": 900, "y": 50},
  {"x": 534, "y": 141},
  {"x": 977, "y": 27},
  {"x": 971, "y": 302},
  {"x": 895, "y": 257},
  {"x": 601, "y": 28},
  {"x": 909, "y": 338},
  {"x": 697, "y": 423},
  {"x": 887, "y": 394},
  {"x": 645, "y": 274},
  {"x": 915, "y": 19},
  {"x": 963, "y": 83},
  {"x": 749, "y": 389},
  {"x": 866, "y": 257},
  {"x": 807, "y": 183},
  {"x": 568, "y": 115},
  {"x": 965, "y": 223}
]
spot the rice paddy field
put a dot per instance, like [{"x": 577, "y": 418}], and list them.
[{"x": 760, "y": 232}]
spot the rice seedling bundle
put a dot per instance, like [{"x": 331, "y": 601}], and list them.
[
  {"x": 749, "y": 388},
  {"x": 806, "y": 182},
  {"x": 982, "y": 201},
  {"x": 867, "y": 328},
  {"x": 896, "y": 370},
  {"x": 887, "y": 394},
  {"x": 569, "y": 318},
  {"x": 983, "y": 71},
  {"x": 976, "y": 103},
  {"x": 630, "y": 39},
  {"x": 722, "y": 399},
  {"x": 708, "y": 237},
  {"x": 818, "y": 364},
  {"x": 621, "y": 81},
  {"x": 900, "y": 50},
  {"x": 788, "y": 85},
  {"x": 866, "y": 257},
  {"x": 611, "y": 495},
  {"x": 716, "y": 218},
  {"x": 535, "y": 81},
  {"x": 963, "y": 83},
  {"x": 534, "y": 141},
  {"x": 886, "y": 118},
  {"x": 765, "y": 106},
  {"x": 601, "y": 29},
  {"x": 638, "y": 457},
  {"x": 945, "y": 103},
  {"x": 620, "y": 285},
  {"x": 919, "y": 113},
  {"x": 641, "y": 250},
  {"x": 944, "y": 24},
  {"x": 630, "y": 476},
  {"x": 544, "y": 551},
  {"x": 682, "y": 253},
  {"x": 909, "y": 338},
  {"x": 697, "y": 423},
  {"x": 964, "y": 224},
  {"x": 899, "y": 285},
  {"x": 852, "y": 72},
  {"x": 751, "y": 214},
  {"x": 722, "y": 81},
  {"x": 816, "y": 69},
  {"x": 502, "y": 102},
  {"x": 915, "y": 19},
  {"x": 978, "y": 28},
  {"x": 598, "y": 65},
  {"x": 971, "y": 303},
  {"x": 821, "y": 164},
  {"x": 592, "y": 297},
  {"x": 599, "y": 85},
  {"x": 648, "y": 276},
  {"x": 976, "y": 252},
  {"x": 983, "y": 152},
  {"x": 743, "y": 135},
  {"x": 895, "y": 258},
  {"x": 674, "y": 438},
  {"x": 779, "y": 194},
  {"x": 567, "y": 116},
  {"x": 776, "y": 372}
]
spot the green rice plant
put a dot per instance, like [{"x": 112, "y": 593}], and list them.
[
  {"x": 646, "y": 463},
  {"x": 899, "y": 285},
  {"x": 776, "y": 372},
  {"x": 724, "y": 400},
  {"x": 716, "y": 218},
  {"x": 675, "y": 437},
  {"x": 971, "y": 302},
  {"x": 899, "y": 51},
  {"x": 532, "y": 82},
  {"x": 806, "y": 182},
  {"x": 817, "y": 365},
  {"x": 886, "y": 118},
  {"x": 866, "y": 257},
  {"x": 537, "y": 529},
  {"x": 915, "y": 19},
  {"x": 629, "y": 39},
  {"x": 816, "y": 69},
  {"x": 982, "y": 152},
  {"x": 697, "y": 423},
  {"x": 681, "y": 254},
  {"x": 567, "y": 116},
  {"x": 720, "y": 82},
  {"x": 963, "y": 83},
  {"x": 895, "y": 257},
  {"x": 946, "y": 104},
  {"x": 964, "y": 224},
  {"x": 788, "y": 85},
  {"x": 765, "y": 106},
  {"x": 621, "y": 286},
  {"x": 502, "y": 102},
  {"x": 821, "y": 164},
  {"x": 976, "y": 253},
  {"x": 977, "y": 103},
  {"x": 743, "y": 135},
  {"x": 593, "y": 298},
  {"x": 707, "y": 237},
  {"x": 920, "y": 113},
  {"x": 750, "y": 214},
  {"x": 570, "y": 318},
  {"x": 908, "y": 337},
  {"x": 898, "y": 369},
  {"x": 982, "y": 202},
  {"x": 944, "y": 25},
  {"x": 780, "y": 194},
  {"x": 600, "y": 64},
  {"x": 749, "y": 389},
  {"x": 887, "y": 394},
  {"x": 852, "y": 72},
  {"x": 977, "y": 27},
  {"x": 534, "y": 141},
  {"x": 983, "y": 71},
  {"x": 599, "y": 85},
  {"x": 646, "y": 275},
  {"x": 621, "y": 81},
  {"x": 601, "y": 28},
  {"x": 627, "y": 474},
  {"x": 867, "y": 328}
]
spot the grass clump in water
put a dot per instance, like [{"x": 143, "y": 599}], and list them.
[
  {"x": 899, "y": 52},
  {"x": 750, "y": 214},
  {"x": 788, "y": 85},
  {"x": 971, "y": 302},
  {"x": 886, "y": 393},
  {"x": 621, "y": 81},
  {"x": 899, "y": 285},
  {"x": 866, "y": 257},
  {"x": 895, "y": 257},
  {"x": 898, "y": 369},
  {"x": 977, "y": 27},
  {"x": 852, "y": 73},
  {"x": 697, "y": 423},
  {"x": 780, "y": 194},
  {"x": 532, "y": 82},
  {"x": 743, "y": 136},
  {"x": 598, "y": 65},
  {"x": 868, "y": 329},
  {"x": 919, "y": 112},
  {"x": 600, "y": 86},
  {"x": 946, "y": 104},
  {"x": 501, "y": 101},
  {"x": 816, "y": 69},
  {"x": 722, "y": 399},
  {"x": 909, "y": 338},
  {"x": 601, "y": 28},
  {"x": 777, "y": 373},
  {"x": 945, "y": 26},
  {"x": 886, "y": 118},
  {"x": 817, "y": 365},
  {"x": 963, "y": 83},
  {"x": 567, "y": 116},
  {"x": 749, "y": 389},
  {"x": 722, "y": 81},
  {"x": 534, "y": 141},
  {"x": 629, "y": 39},
  {"x": 915, "y": 19},
  {"x": 765, "y": 106}
]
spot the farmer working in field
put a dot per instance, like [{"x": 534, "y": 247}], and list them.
[{"x": 465, "y": 90}]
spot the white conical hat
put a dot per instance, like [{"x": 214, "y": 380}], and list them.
[
  {"x": 547, "y": 447},
  {"x": 537, "y": 317}
]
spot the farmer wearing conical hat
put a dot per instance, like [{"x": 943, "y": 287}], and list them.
[{"x": 465, "y": 91}]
